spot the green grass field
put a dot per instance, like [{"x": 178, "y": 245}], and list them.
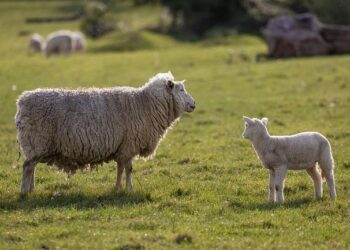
[{"x": 205, "y": 189}]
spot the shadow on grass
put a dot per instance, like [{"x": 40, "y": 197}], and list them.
[
  {"x": 239, "y": 206},
  {"x": 76, "y": 200}
]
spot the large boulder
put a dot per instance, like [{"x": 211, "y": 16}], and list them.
[{"x": 304, "y": 35}]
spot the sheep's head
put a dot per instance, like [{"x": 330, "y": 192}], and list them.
[
  {"x": 164, "y": 85},
  {"x": 254, "y": 128},
  {"x": 184, "y": 101}
]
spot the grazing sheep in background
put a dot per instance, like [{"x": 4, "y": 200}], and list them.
[
  {"x": 76, "y": 128},
  {"x": 80, "y": 41},
  {"x": 36, "y": 43},
  {"x": 295, "y": 152},
  {"x": 60, "y": 43},
  {"x": 64, "y": 42}
]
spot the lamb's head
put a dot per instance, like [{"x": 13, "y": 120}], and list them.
[
  {"x": 254, "y": 128},
  {"x": 164, "y": 85}
]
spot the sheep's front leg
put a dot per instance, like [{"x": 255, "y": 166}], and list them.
[
  {"x": 128, "y": 170},
  {"x": 280, "y": 174},
  {"x": 28, "y": 178},
  {"x": 317, "y": 179},
  {"x": 272, "y": 189},
  {"x": 120, "y": 170}
]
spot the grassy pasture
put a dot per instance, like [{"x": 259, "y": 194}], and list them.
[{"x": 205, "y": 189}]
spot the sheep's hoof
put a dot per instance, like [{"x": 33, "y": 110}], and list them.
[
  {"x": 24, "y": 193},
  {"x": 25, "y": 189}
]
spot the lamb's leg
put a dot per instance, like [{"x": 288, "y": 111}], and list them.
[
  {"x": 120, "y": 170},
  {"x": 317, "y": 179},
  {"x": 331, "y": 183},
  {"x": 280, "y": 174},
  {"x": 128, "y": 170},
  {"x": 28, "y": 178},
  {"x": 272, "y": 189}
]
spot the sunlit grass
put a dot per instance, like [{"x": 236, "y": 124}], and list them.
[{"x": 205, "y": 188}]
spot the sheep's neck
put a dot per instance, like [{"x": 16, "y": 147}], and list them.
[
  {"x": 260, "y": 142},
  {"x": 161, "y": 113}
]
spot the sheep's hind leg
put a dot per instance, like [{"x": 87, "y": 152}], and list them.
[
  {"x": 331, "y": 183},
  {"x": 272, "y": 189},
  {"x": 28, "y": 179},
  {"x": 280, "y": 173},
  {"x": 128, "y": 170},
  {"x": 120, "y": 170},
  {"x": 317, "y": 179}
]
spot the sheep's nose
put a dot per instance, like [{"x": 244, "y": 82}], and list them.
[{"x": 193, "y": 106}]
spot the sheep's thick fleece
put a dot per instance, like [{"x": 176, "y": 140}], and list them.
[{"x": 73, "y": 128}]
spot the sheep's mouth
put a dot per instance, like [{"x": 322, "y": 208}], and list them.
[{"x": 190, "y": 108}]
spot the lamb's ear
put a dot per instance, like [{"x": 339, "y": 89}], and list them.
[
  {"x": 170, "y": 84},
  {"x": 248, "y": 120},
  {"x": 264, "y": 121}
]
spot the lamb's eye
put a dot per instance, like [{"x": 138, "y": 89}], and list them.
[{"x": 182, "y": 90}]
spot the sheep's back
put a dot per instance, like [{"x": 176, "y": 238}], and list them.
[
  {"x": 302, "y": 147},
  {"x": 78, "y": 126}
]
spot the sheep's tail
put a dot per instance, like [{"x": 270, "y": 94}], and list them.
[{"x": 326, "y": 160}]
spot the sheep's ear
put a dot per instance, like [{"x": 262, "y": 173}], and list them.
[
  {"x": 264, "y": 121},
  {"x": 248, "y": 120},
  {"x": 170, "y": 84},
  {"x": 171, "y": 74}
]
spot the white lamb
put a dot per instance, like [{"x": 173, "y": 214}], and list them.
[{"x": 295, "y": 152}]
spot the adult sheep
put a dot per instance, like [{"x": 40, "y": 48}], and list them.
[
  {"x": 64, "y": 42},
  {"x": 76, "y": 128},
  {"x": 36, "y": 43}
]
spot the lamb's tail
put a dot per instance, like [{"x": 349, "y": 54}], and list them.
[{"x": 326, "y": 159}]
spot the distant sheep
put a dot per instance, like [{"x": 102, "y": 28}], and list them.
[
  {"x": 76, "y": 128},
  {"x": 295, "y": 152},
  {"x": 64, "y": 42},
  {"x": 80, "y": 42},
  {"x": 36, "y": 43}
]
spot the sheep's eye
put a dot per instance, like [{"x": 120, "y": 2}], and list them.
[{"x": 182, "y": 90}]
